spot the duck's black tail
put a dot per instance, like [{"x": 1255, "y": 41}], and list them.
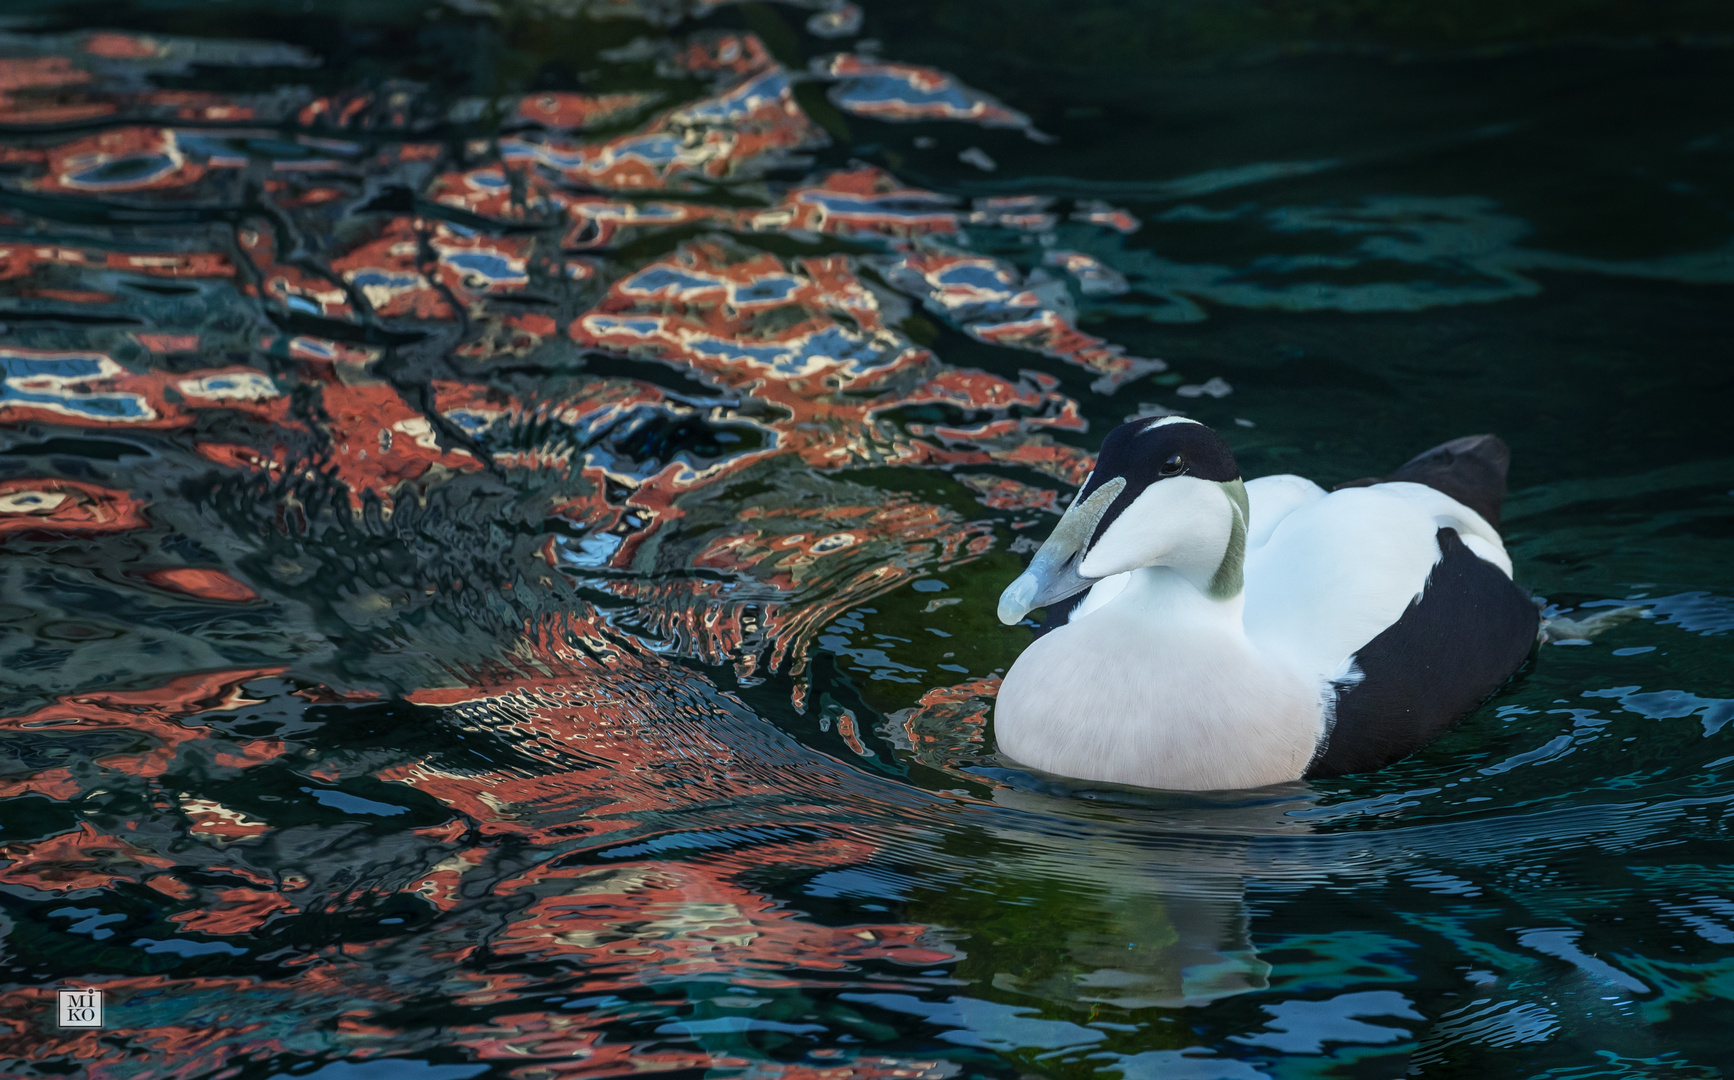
[{"x": 1470, "y": 469}]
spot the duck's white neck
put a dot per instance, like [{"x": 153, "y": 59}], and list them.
[
  {"x": 1163, "y": 598},
  {"x": 1173, "y": 596}
]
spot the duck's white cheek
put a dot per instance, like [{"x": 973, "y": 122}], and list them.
[{"x": 1183, "y": 522}]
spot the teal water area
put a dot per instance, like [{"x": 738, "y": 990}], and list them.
[{"x": 502, "y": 504}]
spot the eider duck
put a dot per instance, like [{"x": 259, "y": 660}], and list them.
[{"x": 1205, "y": 633}]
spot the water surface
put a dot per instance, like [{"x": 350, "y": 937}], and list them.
[{"x": 502, "y": 506}]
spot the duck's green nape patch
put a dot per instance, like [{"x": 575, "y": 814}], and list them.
[{"x": 1230, "y": 577}]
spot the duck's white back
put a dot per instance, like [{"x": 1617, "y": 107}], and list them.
[{"x": 1334, "y": 571}]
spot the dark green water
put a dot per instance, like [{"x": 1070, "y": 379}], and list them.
[{"x": 501, "y": 509}]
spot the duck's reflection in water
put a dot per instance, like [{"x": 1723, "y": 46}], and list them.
[{"x": 1147, "y": 907}]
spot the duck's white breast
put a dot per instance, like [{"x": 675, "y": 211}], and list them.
[{"x": 1140, "y": 693}]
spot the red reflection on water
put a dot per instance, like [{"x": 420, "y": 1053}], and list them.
[
  {"x": 114, "y": 45},
  {"x": 57, "y": 784},
  {"x": 58, "y": 386},
  {"x": 798, "y": 551},
  {"x": 575, "y": 112},
  {"x": 988, "y": 297},
  {"x": 293, "y": 288},
  {"x": 18, "y": 260},
  {"x": 1025, "y": 212},
  {"x": 905, "y": 92},
  {"x": 201, "y": 582},
  {"x": 1100, "y": 213},
  {"x": 1051, "y": 334},
  {"x": 721, "y": 52},
  {"x": 81, "y": 859},
  {"x": 378, "y": 443},
  {"x": 1004, "y": 493},
  {"x": 734, "y": 133},
  {"x": 387, "y": 272},
  {"x": 949, "y": 724},
  {"x": 59, "y": 507},
  {"x": 235, "y": 911},
  {"x": 119, "y": 161},
  {"x": 494, "y": 192},
  {"x": 388, "y": 109},
  {"x": 593, "y": 720},
  {"x": 625, "y": 844},
  {"x": 155, "y": 713},
  {"x": 34, "y": 90},
  {"x": 642, "y": 923},
  {"x": 867, "y": 200}
]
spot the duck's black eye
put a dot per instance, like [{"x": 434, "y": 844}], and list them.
[{"x": 1174, "y": 466}]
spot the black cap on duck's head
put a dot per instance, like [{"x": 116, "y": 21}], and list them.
[
  {"x": 1164, "y": 492},
  {"x": 1145, "y": 452}
]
